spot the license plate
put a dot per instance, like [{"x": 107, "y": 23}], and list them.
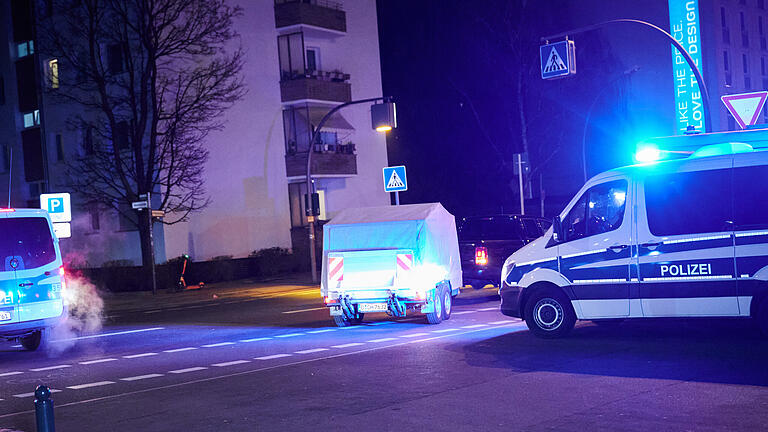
[
  {"x": 372, "y": 307},
  {"x": 5, "y": 316}
]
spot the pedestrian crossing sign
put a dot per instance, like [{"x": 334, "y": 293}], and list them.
[
  {"x": 394, "y": 179},
  {"x": 558, "y": 59}
]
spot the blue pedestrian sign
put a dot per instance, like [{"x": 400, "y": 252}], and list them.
[
  {"x": 558, "y": 59},
  {"x": 394, "y": 179}
]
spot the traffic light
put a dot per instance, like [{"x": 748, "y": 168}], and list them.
[{"x": 315, "y": 209}]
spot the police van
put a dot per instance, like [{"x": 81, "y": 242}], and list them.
[
  {"x": 686, "y": 237},
  {"x": 31, "y": 276}
]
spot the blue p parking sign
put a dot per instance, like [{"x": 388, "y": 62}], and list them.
[{"x": 58, "y": 205}]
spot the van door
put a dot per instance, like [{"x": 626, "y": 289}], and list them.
[
  {"x": 595, "y": 253},
  {"x": 750, "y": 225},
  {"x": 685, "y": 241},
  {"x": 9, "y": 259}
]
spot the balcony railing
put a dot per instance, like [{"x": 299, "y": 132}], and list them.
[
  {"x": 327, "y": 159},
  {"x": 318, "y": 85},
  {"x": 325, "y": 14}
]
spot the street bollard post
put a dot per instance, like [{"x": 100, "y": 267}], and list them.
[{"x": 44, "y": 409}]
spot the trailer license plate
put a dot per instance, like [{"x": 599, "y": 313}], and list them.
[
  {"x": 5, "y": 316},
  {"x": 372, "y": 307}
]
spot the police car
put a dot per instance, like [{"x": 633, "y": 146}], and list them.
[{"x": 686, "y": 237}]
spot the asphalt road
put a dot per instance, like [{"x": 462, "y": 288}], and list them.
[{"x": 274, "y": 361}]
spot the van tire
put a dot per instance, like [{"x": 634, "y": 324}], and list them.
[
  {"x": 447, "y": 301},
  {"x": 33, "y": 341},
  {"x": 549, "y": 314},
  {"x": 436, "y": 316}
]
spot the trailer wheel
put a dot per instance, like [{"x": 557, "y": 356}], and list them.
[
  {"x": 33, "y": 341},
  {"x": 447, "y": 302},
  {"x": 549, "y": 314},
  {"x": 436, "y": 316}
]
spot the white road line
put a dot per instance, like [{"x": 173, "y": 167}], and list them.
[
  {"x": 218, "y": 344},
  {"x": 465, "y": 312},
  {"x": 153, "y": 311},
  {"x": 192, "y": 369},
  {"x": 180, "y": 349},
  {"x": 289, "y": 335},
  {"x": 231, "y": 363},
  {"x": 322, "y": 331},
  {"x": 104, "y": 360},
  {"x": 50, "y": 368},
  {"x": 141, "y": 377},
  {"x": 414, "y": 335},
  {"x": 445, "y": 330},
  {"x": 133, "y": 356},
  {"x": 488, "y": 309},
  {"x": 348, "y": 345},
  {"x": 89, "y": 385},
  {"x": 305, "y": 310},
  {"x": 5, "y": 374},
  {"x": 255, "y": 339},
  {"x": 273, "y": 356},
  {"x": 382, "y": 340},
  {"x": 474, "y": 326},
  {"x": 504, "y": 322},
  {"x": 310, "y": 351},
  {"x": 26, "y": 395},
  {"x": 380, "y": 323},
  {"x": 109, "y": 334}
]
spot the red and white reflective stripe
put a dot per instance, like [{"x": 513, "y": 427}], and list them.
[
  {"x": 335, "y": 271},
  {"x": 404, "y": 262}
]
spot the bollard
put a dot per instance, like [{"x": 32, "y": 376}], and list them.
[{"x": 44, "y": 409}]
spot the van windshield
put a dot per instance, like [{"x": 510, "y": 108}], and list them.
[{"x": 29, "y": 240}]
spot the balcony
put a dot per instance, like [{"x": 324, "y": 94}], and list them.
[
  {"x": 333, "y": 161},
  {"x": 323, "y": 14},
  {"x": 316, "y": 85}
]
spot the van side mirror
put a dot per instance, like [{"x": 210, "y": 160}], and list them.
[{"x": 557, "y": 230}]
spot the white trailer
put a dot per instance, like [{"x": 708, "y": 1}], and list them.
[{"x": 390, "y": 259}]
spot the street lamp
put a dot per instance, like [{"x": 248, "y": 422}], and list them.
[{"x": 383, "y": 119}]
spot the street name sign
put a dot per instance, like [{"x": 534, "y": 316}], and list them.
[
  {"x": 138, "y": 205},
  {"x": 58, "y": 205},
  {"x": 558, "y": 59},
  {"x": 745, "y": 107},
  {"x": 394, "y": 179}
]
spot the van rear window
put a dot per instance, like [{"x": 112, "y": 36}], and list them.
[
  {"x": 29, "y": 239},
  {"x": 490, "y": 228}
]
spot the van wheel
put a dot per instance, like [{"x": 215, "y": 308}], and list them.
[
  {"x": 33, "y": 341},
  {"x": 436, "y": 316},
  {"x": 342, "y": 321},
  {"x": 447, "y": 302},
  {"x": 548, "y": 314}
]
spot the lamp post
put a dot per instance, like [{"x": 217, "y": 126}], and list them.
[{"x": 383, "y": 119}]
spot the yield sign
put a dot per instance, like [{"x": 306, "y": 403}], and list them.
[{"x": 745, "y": 107}]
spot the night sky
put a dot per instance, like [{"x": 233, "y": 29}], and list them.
[{"x": 460, "y": 72}]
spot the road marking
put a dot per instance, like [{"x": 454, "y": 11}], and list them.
[
  {"x": 26, "y": 395},
  {"x": 109, "y": 334},
  {"x": 256, "y": 339},
  {"x": 305, "y": 310},
  {"x": 380, "y": 323},
  {"x": 133, "y": 356},
  {"x": 89, "y": 385},
  {"x": 104, "y": 360},
  {"x": 50, "y": 368},
  {"x": 180, "y": 349},
  {"x": 414, "y": 335},
  {"x": 231, "y": 363},
  {"x": 289, "y": 335},
  {"x": 192, "y": 369},
  {"x": 273, "y": 356},
  {"x": 503, "y": 322},
  {"x": 310, "y": 351},
  {"x": 445, "y": 330},
  {"x": 348, "y": 345},
  {"x": 5, "y": 374},
  {"x": 474, "y": 326},
  {"x": 487, "y": 309},
  {"x": 141, "y": 377},
  {"x": 465, "y": 312},
  {"x": 382, "y": 340},
  {"x": 322, "y": 331},
  {"x": 153, "y": 311},
  {"x": 233, "y": 302},
  {"x": 218, "y": 344}
]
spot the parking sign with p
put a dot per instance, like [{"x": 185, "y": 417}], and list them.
[{"x": 58, "y": 206}]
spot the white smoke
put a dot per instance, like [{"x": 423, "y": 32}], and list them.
[{"x": 85, "y": 309}]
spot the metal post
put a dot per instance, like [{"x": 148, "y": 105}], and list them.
[
  {"x": 397, "y": 197},
  {"x": 151, "y": 244},
  {"x": 520, "y": 179},
  {"x": 44, "y": 410}
]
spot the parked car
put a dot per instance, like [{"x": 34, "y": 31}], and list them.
[{"x": 486, "y": 241}]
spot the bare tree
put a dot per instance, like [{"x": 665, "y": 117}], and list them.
[{"x": 148, "y": 81}]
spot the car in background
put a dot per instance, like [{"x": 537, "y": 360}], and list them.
[{"x": 486, "y": 241}]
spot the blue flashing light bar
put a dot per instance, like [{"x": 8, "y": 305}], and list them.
[{"x": 701, "y": 145}]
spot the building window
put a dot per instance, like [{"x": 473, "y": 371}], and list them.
[
  {"x": 745, "y": 63},
  {"x": 724, "y": 25},
  {"x": 290, "y": 49},
  {"x": 31, "y": 119},
  {"x": 744, "y": 34},
  {"x": 313, "y": 60},
  {"x": 93, "y": 212},
  {"x": 53, "y": 73},
  {"x": 761, "y": 4},
  {"x": 747, "y": 83},
  {"x": 59, "y": 148},
  {"x": 24, "y": 49}
]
